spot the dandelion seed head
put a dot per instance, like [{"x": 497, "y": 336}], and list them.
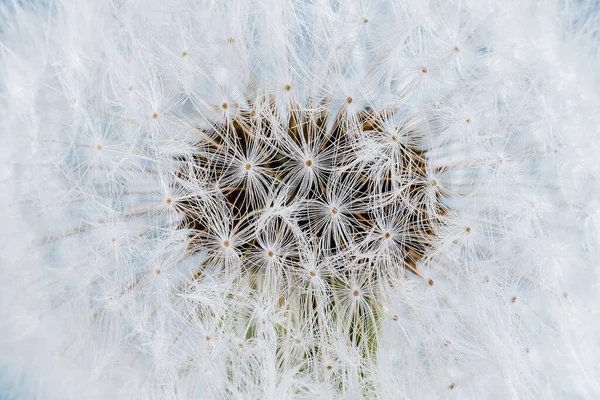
[{"x": 299, "y": 199}]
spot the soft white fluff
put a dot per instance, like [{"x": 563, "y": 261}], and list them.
[{"x": 107, "y": 294}]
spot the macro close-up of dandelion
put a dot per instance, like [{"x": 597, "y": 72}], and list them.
[{"x": 299, "y": 199}]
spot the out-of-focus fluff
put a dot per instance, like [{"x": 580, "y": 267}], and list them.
[{"x": 299, "y": 199}]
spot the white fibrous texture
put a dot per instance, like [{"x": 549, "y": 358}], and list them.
[{"x": 299, "y": 199}]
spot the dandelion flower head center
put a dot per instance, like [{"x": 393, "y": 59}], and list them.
[{"x": 311, "y": 185}]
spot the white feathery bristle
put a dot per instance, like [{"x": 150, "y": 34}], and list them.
[{"x": 319, "y": 199}]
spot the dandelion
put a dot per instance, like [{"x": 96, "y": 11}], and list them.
[{"x": 299, "y": 199}]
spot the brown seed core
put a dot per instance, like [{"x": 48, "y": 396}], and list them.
[
  {"x": 168, "y": 201},
  {"x": 155, "y": 115},
  {"x": 424, "y": 70},
  {"x": 513, "y": 300},
  {"x": 430, "y": 282},
  {"x": 157, "y": 271},
  {"x": 99, "y": 147},
  {"x": 287, "y": 88},
  {"x": 256, "y": 123},
  {"x": 241, "y": 131},
  {"x": 184, "y": 53}
]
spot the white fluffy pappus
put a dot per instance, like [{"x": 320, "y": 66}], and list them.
[{"x": 312, "y": 199}]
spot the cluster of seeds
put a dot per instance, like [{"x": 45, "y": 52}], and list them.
[
  {"x": 259, "y": 199},
  {"x": 312, "y": 208}
]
